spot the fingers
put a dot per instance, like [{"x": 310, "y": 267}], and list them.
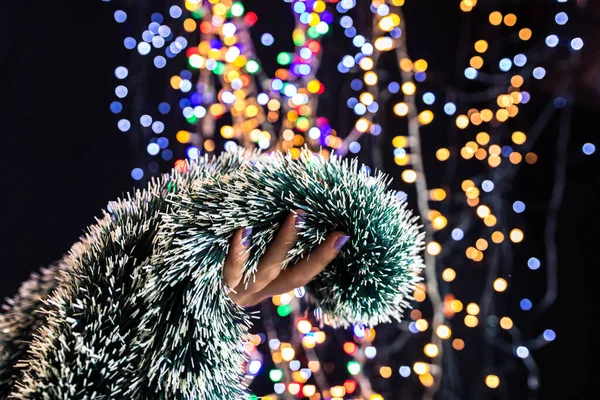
[
  {"x": 306, "y": 269},
  {"x": 270, "y": 263},
  {"x": 237, "y": 256}
]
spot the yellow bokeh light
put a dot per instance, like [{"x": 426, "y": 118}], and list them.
[
  {"x": 466, "y": 184},
  {"x": 384, "y": 43},
  {"x": 448, "y": 275},
  {"x": 409, "y": 176},
  {"x": 476, "y": 119},
  {"x": 473, "y": 309},
  {"x": 525, "y": 34},
  {"x": 227, "y": 131},
  {"x": 409, "y": 88},
  {"x": 320, "y": 337},
  {"x": 456, "y": 306},
  {"x": 209, "y": 145},
  {"x": 515, "y": 157},
  {"x": 399, "y": 141},
  {"x": 504, "y": 100},
  {"x": 472, "y": 192},
  {"x": 385, "y": 372},
  {"x": 183, "y": 136},
  {"x": 497, "y": 237},
  {"x": 443, "y": 332},
  {"x": 434, "y": 248},
  {"x": 402, "y": 160},
  {"x": 438, "y": 195},
  {"x": 500, "y": 285},
  {"x": 189, "y": 25},
  {"x": 294, "y": 388},
  {"x": 458, "y": 344},
  {"x": 308, "y": 390},
  {"x": 442, "y": 154},
  {"x": 362, "y": 125},
  {"x": 506, "y": 323},
  {"x": 432, "y": 214},
  {"x": 480, "y": 154},
  {"x": 439, "y": 222},
  {"x": 420, "y": 296},
  {"x": 490, "y": 220},
  {"x": 483, "y": 211},
  {"x": 481, "y": 46},
  {"x": 388, "y": 23},
  {"x": 482, "y": 138},
  {"x": 510, "y": 19},
  {"x": 462, "y": 121},
  {"x": 481, "y": 244},
  {"x": 473, "y": 254},
  {"x": 431, "y": 350},
  {"x": 338, "y": 391},
  {"x": 304, "y": 326},
  {"x": 495, "y": 150},
  {"x": 476, "y": 62},
  {"x": 426, "y": 379},
  {"x": 492, "y": 381},
  {"x": 471, "y": 321},
  {"x": 421, "y": 325},
  {"x": 502, "y": 115},
  {"x": 175, "y": 81},
  {"x": 288, "y": 353},
  {"x": 495, "y": 18},
  {"x": 494, "y": 160},
  {"x": 421, "y": 368},
  {"x": 371, "y": 78},
  {"x": 516, "y": 235},
  {"x": 487, "y": 115},
  {"x": 401, "y": 109},
  {"x": 465, "y": 7},
  {"x": 309, "y": 342},
  {"x": 375, "y": 396},
  {"x": 366, "y": 63},
  {"x": 314, "y": 366},
  {"x": 406, "y": 65},
  {"x": 420, "y": 65},
  {"x": 366, "y": 98},
  {"x": 516, "y": 81},
  {"x": 518, "y": 137},
  {"x": 425, "y": 117},
  {"x": 512, "y": 110}
]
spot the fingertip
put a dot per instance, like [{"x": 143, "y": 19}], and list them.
[
  {"x": 300, "y": 218},
  {"x": 245, "y": 236},
  {"x": 340, "y": 240}
]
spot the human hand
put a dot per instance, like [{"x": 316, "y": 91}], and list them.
[{"x": 270, "y": 278}]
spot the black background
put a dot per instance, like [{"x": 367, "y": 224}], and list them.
[{"x": 62, "y": 158}]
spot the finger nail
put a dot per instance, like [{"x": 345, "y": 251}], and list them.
[
  {"x": 246, "y": 236},
  {"x": 300, "y": 219},
  {"x": 340, "y": 241}
]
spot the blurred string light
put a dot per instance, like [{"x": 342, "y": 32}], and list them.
[
  {"x": 225, "y": 97},
  {"x": 488, "y": 148}
]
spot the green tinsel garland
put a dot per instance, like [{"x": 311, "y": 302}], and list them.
[{"x": 141, "y": 310}]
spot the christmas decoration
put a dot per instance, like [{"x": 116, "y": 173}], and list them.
[
  {"x": 20, "y": 320},
  {"x": 141, "y": 310}
]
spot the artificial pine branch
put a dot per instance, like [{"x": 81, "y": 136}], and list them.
[
  {"x": 20, "y": 319},
  {"x": 142, "y": 311}
]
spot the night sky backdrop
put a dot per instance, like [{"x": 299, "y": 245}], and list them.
[{"x": 62, "y": 158}]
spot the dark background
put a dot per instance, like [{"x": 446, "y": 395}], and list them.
[{"x": 62, "y": 157}]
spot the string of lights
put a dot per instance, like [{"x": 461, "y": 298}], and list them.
[{"x": 229, "y": 100}]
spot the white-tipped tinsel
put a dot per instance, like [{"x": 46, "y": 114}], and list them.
[{"x": 141, "y": 311}]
